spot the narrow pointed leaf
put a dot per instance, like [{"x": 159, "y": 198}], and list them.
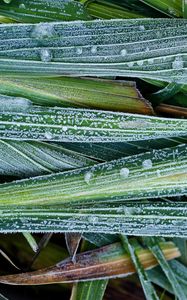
[
  {"x": 153, "y": 245},
  {"x": 41, "y": 11},
  {"x": 72, "y": 243},
  {"x": 149, "y": 175},
  {"x": 26, "y": 159},
  {"x": 143, "y": 48},
  {"x": 31, "y": 241},
  {"x": 80, "y": 125},
  {"x": 91, "y": 290},
  {"x": 170, "y": 8},
  {"x": 136, "y": 218},
  {"x": 147, "y": 286},
  {"x": 106, "y": 262},
  {"x": 78, "y": 92}
]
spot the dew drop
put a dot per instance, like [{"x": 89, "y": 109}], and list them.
[
  {"x": 64, "y": 128},
  {"x": 46, "y": 55},
  {"x": 147, "y": 164},
  {"x": 123, "y": 52},
  {"x": 87, "y": 177},
  {"x": 43, "y": 30},
  {"x": 93, "y": 49},
  {"x": 22, "y": 6},
  {"x": 158, "y": 173},
  {"x": 48, "y": 135},
  {"x": 178, "y": 63},
  {"x": 142, "y": 27},
  {"x": 79, "y": 50},
  {"x": 93, "y": 219},
  {"x": 124, "y": 172},
  {"x": 7, "y": 1}
]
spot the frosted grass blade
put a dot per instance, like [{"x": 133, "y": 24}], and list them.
[
  {"x": 147, "y": 286},
  {"x": 27, "y": 159},
  {"x": 84, "y": 125},
  {"x": 149, "y": 175},
  {"x": 153, "y": 244},
  {"x": 136, "y": 218},
  {"x": 143, "y": 48}
]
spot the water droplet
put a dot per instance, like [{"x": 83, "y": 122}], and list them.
[
  {"x": 64, "y": 128},
  {"x": 7, "y": 1},
  {"x": 142, "y": 27},
  {"x": 124, "y": 172},
  {"x": 130, "y": 64},
  {"x": 147, "y": 164},
  {"x": 158, "y": 173},
  {"x": 94, "y": 49},
  {"x": 22, "y": 6},
  {"x": 87, "y": 177},
  {"x": 178, "y": 63},
  {"x": 48, "y": 135},
  {"x": 123, "y": 52},
  {"x": 79, "y": 50},
  {"x": 93, "y": 219},
  {"x": 43, "y": 30},
  {"x": 46, "y": 55}
]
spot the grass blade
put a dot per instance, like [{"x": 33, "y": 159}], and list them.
[
  {"x": 136, "y": 218},
  {"x": 31, "y": 241},
  {"x": 149, "y": 175},
  {"x": 38, "y": 11},
  {"x": 27, "y": 159},
  {"x": 80, "y": 125},
  {"x": 78, "y": 92},
  {"x": 154, "y": 247},
  {"x": 91, "y": 290},
  {"x": 106, "y": 262},
  {"x": 170, "y": 8},
  {"x": 148, "y": 288},
  {"x": 145, "y": 48}
]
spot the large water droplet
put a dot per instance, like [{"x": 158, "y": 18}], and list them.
[
  {"x": 48, "y": 135},
  {"x": 22, "y": 6},
  {"x": 79, "y": 50},
  {"x": 87, "y": 177},
  {"x": 7, "y": 1},
  {"x": 93, "y": 49},
  {"x": 123, "y": 52},
  {"x": 46, "y": 55},
  {"x": 124, "y": 172},
  {"x": 147, "y": 164},
  {"x": 178, "y": 63},
  {"x": 142, "y": 27},
  {"x": 43, "y": 30}
]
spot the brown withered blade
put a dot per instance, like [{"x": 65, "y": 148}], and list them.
[
  {"x": 72, "y": 242},
  {"x": 108, "y": 262}
]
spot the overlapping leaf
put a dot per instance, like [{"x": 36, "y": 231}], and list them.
[{"x": 147, "y": 48}]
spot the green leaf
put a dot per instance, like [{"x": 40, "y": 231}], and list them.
[
  {"x": 153, "y": 245},
  {"x": 91, "y": 290},
  {"x": 143, "y": 48},
  {"x": 149, "y": 175},
  {"x": 31, "y": 241},
  {"x": 148, "y": 288},
  {"x": 106, "y": 262},
  {"x": 184, "y": 8},
  {"x": 41, "y": 11},
  {"x": 27, "y": 159},
  {"x": 2, "y": 297},
  {"x": 170, "y": 8},
  {"x": 80, "y": 125},
  {"x": 78, "y": 92}
]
